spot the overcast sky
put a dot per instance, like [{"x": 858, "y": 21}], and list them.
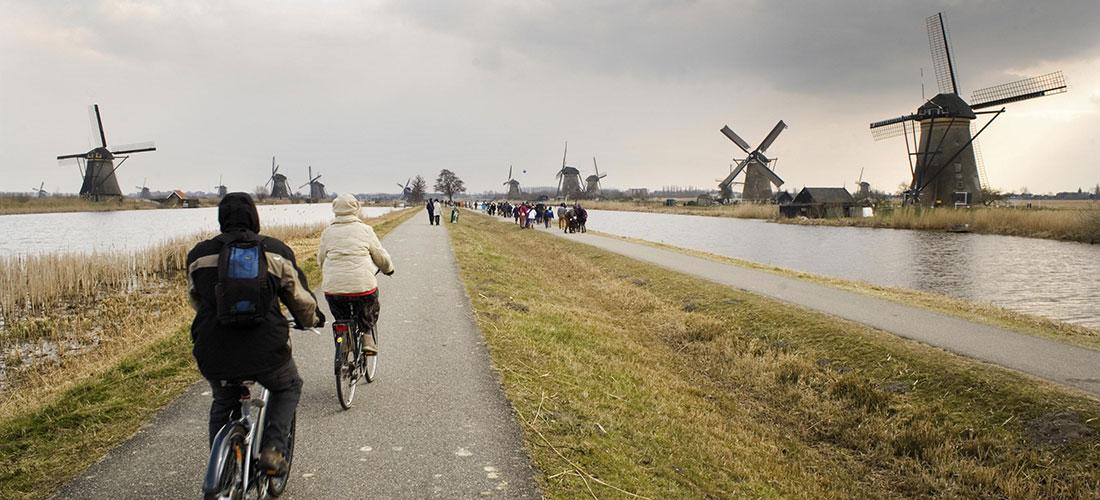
[{"x": 371, "y": 93}]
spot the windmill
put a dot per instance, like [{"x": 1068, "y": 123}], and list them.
[
  {"x": 592, "y": 182},
  {"x": 760, "y": 174},
  {"x": 944, "y": 167},
  {"x": 864, "y": 187},
  {"x": 145, "y": 194},
  {"x": 513, "y": 186},
  {"x": 99, "y": 163},
  {"x": 279, "y": 188},
  {"x": 406, "y": 191},
  {"x": 221, "y": 189},
  {"x": 40, "y": 191},
  {"x": 569, "y": 178},
  {"x": 316, "y": 189}
]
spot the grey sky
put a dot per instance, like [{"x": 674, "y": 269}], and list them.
[{"x": 372, "y": 93}]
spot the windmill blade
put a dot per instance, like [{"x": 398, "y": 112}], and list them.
[
  {"x": 1028, "y": 88},
  {"x": 566, "y": 153},
  {"x": 597, "y": 167},
  {"x": 509, "y": 173},
  {"x": 731, "y": 135},
  {"x": 893, "y": 127},
  {"x": 407, "y": 181},
  {"x": 941, "y": 55},
  {"x": 97, "y": 124},
  {"x": 779, "y": 127},
  {"x": 67, "y": 157},
  {"x": 733, "y": 173},
  {"x": 140, "y": 147},
  {"x": 771, "y": 175}
]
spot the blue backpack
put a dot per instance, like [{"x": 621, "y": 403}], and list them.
[{"x": 243, "y": 292}]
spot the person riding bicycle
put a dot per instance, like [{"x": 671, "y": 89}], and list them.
[
  {"x": 350, "y": 255},
  {"x": 231, "y": 346}
]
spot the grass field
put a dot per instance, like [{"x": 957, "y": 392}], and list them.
[
  {"x": 58, "y": 418},
  {"x": 632, "y": 380}
]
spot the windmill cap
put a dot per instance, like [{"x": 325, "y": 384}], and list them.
[
  {"x": 345, "y": 204},
  {"x": 237, "y": 211},
  {"x": 949, "y": 104}
]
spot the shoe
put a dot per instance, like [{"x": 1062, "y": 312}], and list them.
[
  {"x": 273, "y": 462},
  {"x": 369, "y": 348}
]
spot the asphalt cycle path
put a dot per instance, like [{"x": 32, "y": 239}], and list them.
[
  {"x": 434, "y": 424},
  {"x": 1054, "y": 361}
]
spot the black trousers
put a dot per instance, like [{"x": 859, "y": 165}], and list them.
[
  {"x": 285, "y": 388},
  {"x": 364, "y": 308},
  {"x": 431, "y": 217}
]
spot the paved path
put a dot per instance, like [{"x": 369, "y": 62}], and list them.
[
  {"x": 435, "y": 424},
  {"x": 1047, "y": 359}
]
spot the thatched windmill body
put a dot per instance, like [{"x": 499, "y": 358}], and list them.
[
  {"x": 944, "y": 167},
  {"x": 592, "y": 182},
  {"x": 569, "y": 178},
  {"x": 279, "y": 187},
  {"x": 513, "y": 186},
  {"x": 99, "y": 163},
  {"x": 758, "y": 167},
  {"x": 316, "y": 189}
]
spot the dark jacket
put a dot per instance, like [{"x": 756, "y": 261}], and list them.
[{"x": 225, "y": 352}]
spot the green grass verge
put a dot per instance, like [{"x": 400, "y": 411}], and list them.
[
  {"x": 630, "y": 378},
  {"x": 983, "y": 313},
  {"x": 43, "y": 448},
  {"x": 52, "y": 441}
]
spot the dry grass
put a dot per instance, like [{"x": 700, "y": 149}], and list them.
[
  {"x": 56, "y": 418},
  {"x": 740, "y": 210},
  {"x": 1069, "y": 225},
  {"x": 628, "y": 377},
  {"x": 33, "y": 205}
]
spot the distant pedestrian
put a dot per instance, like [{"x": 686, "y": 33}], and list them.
[
  {"x": 438, "y": 210},
  {"x": 548, "y": 216},
  {"x": 454, "y": 215},
  {"x": 532, "y": 214},
  {"x": 431, "y": 211},
  {"x": 562, "y": 219}
]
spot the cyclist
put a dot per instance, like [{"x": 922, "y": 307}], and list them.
[
  {"x": 229, "y": 349},
  {"x": 350, "y": 254}
]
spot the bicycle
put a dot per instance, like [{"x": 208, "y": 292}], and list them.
[
  {"x": 350, "y": 363},
  {"x": 233, "y": 471}
]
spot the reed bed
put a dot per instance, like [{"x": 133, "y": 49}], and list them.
[
  {"x": 1081, "y": 225},
  {"x": 34, "y": 205}
]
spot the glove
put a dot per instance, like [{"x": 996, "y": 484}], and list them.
[{"x": 320, "y": 319}]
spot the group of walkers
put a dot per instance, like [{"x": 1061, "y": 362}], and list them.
[
  {"x": 527, "y": 215},
  {"x": 435, "y": 211},
  {"x": 237, "y": 281}
]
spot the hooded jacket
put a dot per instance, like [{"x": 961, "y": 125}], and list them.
[
  {"x": 226, "y": 352},
  {"x": 350, "y": 252}
]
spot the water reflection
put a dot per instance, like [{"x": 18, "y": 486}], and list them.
[
  {"x": 1048, "y": 278},
  {"x": 129, "y": 230}
]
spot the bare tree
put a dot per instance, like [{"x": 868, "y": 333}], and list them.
[
  {"x": 449, "y": 184},
  {"x": 417, "y": 190}
]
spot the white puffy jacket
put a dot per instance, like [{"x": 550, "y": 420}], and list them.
[{"x": 350, "y": 252}]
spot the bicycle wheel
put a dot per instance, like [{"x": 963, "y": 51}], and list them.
[
  {"x": 277, "y": 484},
  {"x": 225, "y": 469},
  {"x": 370, "y": 363},
  {"x": 345, "y": 369}
]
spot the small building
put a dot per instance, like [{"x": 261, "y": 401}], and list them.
[
  {"x": 817, "y": 203},
  {"x": 784, "y": 198},
  {"x": 704, "y": 200},
  {"x": 178, "y": 198}
]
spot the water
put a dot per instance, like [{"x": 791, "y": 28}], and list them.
[
  {"x": 1053, "y": 279},
  {"x": 130, "y": 230}
]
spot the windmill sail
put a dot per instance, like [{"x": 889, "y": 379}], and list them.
[
  {"x": 1028, "y": 88},
  {"x": 941, "y": 55}
]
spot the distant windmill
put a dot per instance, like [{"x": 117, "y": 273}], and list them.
[
  {"x": 406, "y": 191},
  {"x": 760, "y": 174},
  {"x": 99, "y": 169},
  {"x": 316, "y": 189},
  {"x": 513, "y": 186},
  {"x": 40, "y": 191},
  {"x": 946, "y": 171},
  {"x": 864, "y": 187},
  {"x": 222, "y": 190},
  {"x": 279, "y": 188},
  {"x": 145, "y": 194},
  {"x": 569, "y": 178},
  {"x": 592, "y": 182}
]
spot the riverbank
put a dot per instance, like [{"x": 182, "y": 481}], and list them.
[
  {"x": 11, "y": 205},
  {"x": 632, "y": 378},
  {"x": 62, "y": 411},
  {"x": 983, "y": 313},
  {"x": 1068, "y": 222}
]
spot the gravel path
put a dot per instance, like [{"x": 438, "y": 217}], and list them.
[{"x": 434, "y": 424}]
